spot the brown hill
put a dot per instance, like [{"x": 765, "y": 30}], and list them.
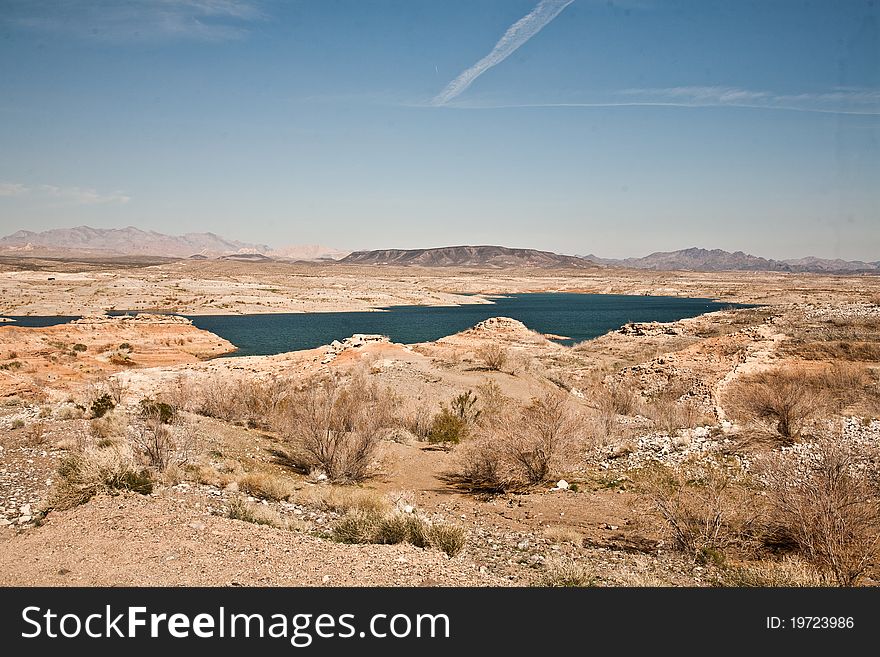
[{"x": 468, "y": 256}]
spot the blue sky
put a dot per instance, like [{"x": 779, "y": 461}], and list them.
[{"x": 616, "y": 128}]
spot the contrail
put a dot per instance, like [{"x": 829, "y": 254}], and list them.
[{"x": 517, "y": 34}]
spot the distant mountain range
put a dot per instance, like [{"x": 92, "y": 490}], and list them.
[
  {"x": 98, "y": 242},
  {"x": 134, "y": 241},
  {"x": 695, "y": 259},
  {"x": 467, "y": 256}
]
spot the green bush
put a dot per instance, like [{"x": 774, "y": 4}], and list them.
[
  {"x": 102, "y": 405},
  {"x": 80, "y": 347}
]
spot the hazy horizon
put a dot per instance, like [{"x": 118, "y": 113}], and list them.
[{"x": 574, "y": 126}]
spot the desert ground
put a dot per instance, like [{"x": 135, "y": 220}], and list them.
[{"x": 735, "y": 448}]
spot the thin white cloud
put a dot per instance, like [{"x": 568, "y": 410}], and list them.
[
  {"x": 64, "y": 195},
  {"x": 138, "y": 20},
  {"x": 12, "y": 189},
  {"x": 865, "y": 102},
  {"x": 517, "y": 34}
]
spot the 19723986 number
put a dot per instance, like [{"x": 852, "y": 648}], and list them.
[{"x": 811, "y": 622}]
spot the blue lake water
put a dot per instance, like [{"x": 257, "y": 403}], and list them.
[{"x": 576, "y": 316}]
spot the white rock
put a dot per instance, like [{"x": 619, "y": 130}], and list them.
[
  {"x": 408, "y": 508},
  {"x": 4, "y": 522},
  {"x": 25, "y": 509},
  {"x": 321, "y": 477},
  {"x": 562, "y": 484},
  {"x": 24, "y": 520},
  {"x": 325, "y": 579},
  {"x": 198, "y": 525}
]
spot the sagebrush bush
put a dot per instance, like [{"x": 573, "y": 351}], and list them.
[
  {"x": 784, "y": 400},
  {"x": 337, "y": 428},
  {"x": 523, "y": 450},
  {"x": 493, "y": 355}
]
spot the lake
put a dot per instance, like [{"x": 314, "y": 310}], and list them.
[{"x": 576, "y": 316}]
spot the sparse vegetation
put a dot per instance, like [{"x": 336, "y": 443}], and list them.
[
  {"x": 706, "y": 507},
  {"x": 266, "y": 486},
  {"x": 825, "y": 505},
  {"x": 788, "y": 572}
]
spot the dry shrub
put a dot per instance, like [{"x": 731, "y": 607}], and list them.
[
  {"x": 493, "y": 355},
  {"x": 117, "y": 389},
  {"x": 706, "y": 507},
  {"x": 418, "y": 422},
  {"x": 615, "y": 398},
  {"x": 561, "y": 572},
  {"x": 522, "y": 451},
  {"x": 36, "y": 435},
  {"x": 242, "y": 400},
  {"x": 493, "y": 403},
  {"x": 159, "y": 444},
  {"x": 337, "y": 428},
  {"x": 825, "y": 503},
  {"x": 82, "y": 475},
  {"x": 789, "y": 572},
  {"x": 266, "y": 486},
  {"x": 784, "y": 400}
]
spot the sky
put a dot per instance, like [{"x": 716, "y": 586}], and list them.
[{"x": 617, "y": 128}]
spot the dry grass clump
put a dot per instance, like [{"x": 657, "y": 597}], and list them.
[
  {"x": 367, "y": 526},
  {"x": 344, "y": 499},
  {"x": 560, "y": 572},
  {"x": 267, "y": 486},
  {"x": 493, "y": 356},
  {"x": 258, "y": 514},
  {"x": 563, "y": 535},
  {"x": 523, "y": 450},
  {"x": 82, "y": 475},
  {"x": 110, "y": 426},
  {"x": 825, "y": 504},
  {"x": 706, "y": 507},
  {"x": 337, "y": 428},
  {"x": 790, "y": 572}
]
